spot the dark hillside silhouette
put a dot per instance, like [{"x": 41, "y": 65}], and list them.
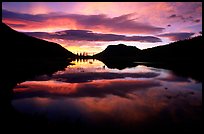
[
  {"x": 180, "y": 51},
  {"x": 183, "y": 57},
  {"x": 119, "y": 50},
  {"x": 119, "y": 56},
  {"x": 24, "y": 57},
  {"x": 185, "y": 50},
  {"x": 18, "y": 45}
]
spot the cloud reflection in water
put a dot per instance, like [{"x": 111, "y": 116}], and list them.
[{"x": 131, "y": 97}]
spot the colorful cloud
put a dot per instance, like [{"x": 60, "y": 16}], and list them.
[
  {"x": 143, "y": 24},
  {"x": 85, "y": 35},
  {"x": 121, "y": 24}
]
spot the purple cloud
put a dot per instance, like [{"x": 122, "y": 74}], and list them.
[
  {"x": 123, "y": 23},
  {"x": 85, "y": 35},
  {"x": 117, "y": 23},
  {"x": 19, "y": 16},
  {"x": 176, "y": 36}
]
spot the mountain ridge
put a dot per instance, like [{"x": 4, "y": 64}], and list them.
[
  {"x": 24, "y": 57},
  {"x": 182, "y": 57},
  {"x": 24, "y": 46},
  {"x": 185, "y": 50}
]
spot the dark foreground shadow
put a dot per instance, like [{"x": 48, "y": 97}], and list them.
[{"x": 19, "y": 70}]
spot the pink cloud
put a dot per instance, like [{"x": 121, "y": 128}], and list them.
[
  {"x": 101, "y": 23},
  {"x": 146, "y": 13}
]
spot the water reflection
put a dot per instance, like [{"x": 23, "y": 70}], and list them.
[
  {"x": 99, "y": 96},
  {"x": 95, "y": 88}
]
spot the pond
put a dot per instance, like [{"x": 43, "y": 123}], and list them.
[{"x": 89, "y": 96}]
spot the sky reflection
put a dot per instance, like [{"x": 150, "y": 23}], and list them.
[{"x": 130, "y": 97}]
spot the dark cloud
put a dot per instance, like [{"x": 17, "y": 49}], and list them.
[
  {"x": 169, "y": 25},
  {"x": 176, "y": 36},
  {"x": 19, "y": 16},
  {"x": 86, "y": 35},
  {"x": 197, "y": 20},
  {"x": 123, "y": 23},
  {"x": 172, "y": 16},
  {"x": 183, "y": 18}
]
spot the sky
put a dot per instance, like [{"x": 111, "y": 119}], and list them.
[{"x": 92, "y": 26}]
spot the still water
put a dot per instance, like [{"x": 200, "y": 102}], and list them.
[{"x": 89, "y": 93}]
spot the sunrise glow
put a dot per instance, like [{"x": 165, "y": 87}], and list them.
[{"x": 91, "y": 26}]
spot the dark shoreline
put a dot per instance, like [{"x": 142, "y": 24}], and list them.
[
  {"x": 187, "y": 69},
  {"x": 19, "y": 70}
]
